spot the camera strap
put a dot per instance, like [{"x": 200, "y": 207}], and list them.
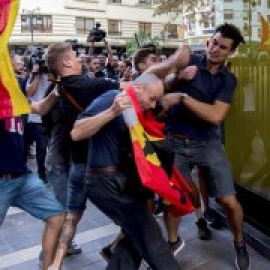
[{"x": 69, "y": 98}]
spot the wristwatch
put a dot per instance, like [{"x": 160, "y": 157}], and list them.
[{"x": 182, "y": 97}]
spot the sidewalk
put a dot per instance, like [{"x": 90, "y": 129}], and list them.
[{"x": 20, "y": 238}]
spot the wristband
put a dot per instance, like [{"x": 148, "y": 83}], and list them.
[{"x": 182, "y": 97}]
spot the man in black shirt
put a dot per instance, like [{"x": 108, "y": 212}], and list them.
[{"x": 78, "y": 91}]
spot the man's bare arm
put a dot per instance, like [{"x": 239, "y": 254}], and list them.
[
  {"x": 89, "y": 126},
  {"x": 213, "y": 113},
  {"x": 179, "y": 59},
  {"x": 45, "y": 105}
]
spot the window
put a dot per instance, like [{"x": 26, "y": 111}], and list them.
[
  {"x": 268, "y": 3},
  {"x": 246, "y": 15},
  {"x": 268, "y": 18},
  {"x": 259, "y": 33},
  {"x": 114, "y": 28},
  {"x": 145, "y": 28},
  {"x": 144, "y": 2},
  {"x": 228, "y": 14},
  {"x": 84, "y": 25},
  {"x": 115, "y": 1},
  {"x": 172, "y": 31},
  {"x": 36, "y": 23}
]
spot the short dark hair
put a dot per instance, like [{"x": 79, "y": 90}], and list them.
[
  {"x": 55, "y": 55},
  {"x": 230, "y": 31},
  {"x": 141, "y": 55}
]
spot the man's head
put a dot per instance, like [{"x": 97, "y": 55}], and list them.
[
  {"x": 102, "y": 59},
  {"x": 17, "y": 63},
  {"x": 148, "y": 89},
  {"x": 122, "y": 66},
  {"x": 223, "y": 43},
  {"x": 144, "y": 58},
  {"x": 62, "y": 60},
  {"x": 93, "y": 64},
  {"x": 115, "y": 61}
]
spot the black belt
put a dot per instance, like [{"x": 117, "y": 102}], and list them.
[
  {"x": 102, "y": 170},
  {"x": 11, "y": 176},
  {"x": 184, "y": 138}
]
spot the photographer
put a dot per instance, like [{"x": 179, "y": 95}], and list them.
[
  {"x": 111, "y": 68},
  {"x": 36, "y": 88}
]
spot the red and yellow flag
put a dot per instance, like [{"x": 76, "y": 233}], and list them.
[
  {"x": 12, "y": 100},
  {"x": 265, "y": 34},
  {"x": 144, "y": 134}
]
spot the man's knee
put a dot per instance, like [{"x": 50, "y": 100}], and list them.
[
  {"x": 56, "y": 221},
  {"x": 230, "y": 203}
]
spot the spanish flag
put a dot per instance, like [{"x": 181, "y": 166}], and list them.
[
  {"x": 12, "y": 101},
  {"x": 145, "y": 131},
  {"x": 265, "y": 34}
]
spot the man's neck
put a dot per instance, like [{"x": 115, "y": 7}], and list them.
[{"x": 213, "y": 67}]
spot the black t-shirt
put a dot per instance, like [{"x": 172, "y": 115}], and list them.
[
  {"x": 107, "y": 147},
  {"x": 84, "y": 90},
  {"x": 11, "y": 146},
  {"x": 112, "y": 73},
  {"x": 205, "y": 87}
]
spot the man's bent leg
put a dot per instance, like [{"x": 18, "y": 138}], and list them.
[
  {"x": 50, "y": 238},
  {"x": 108, "y": 193},
  {"x": 38, "y": 201},
  {"x": 125, "y": 256},
  {"x": 66, "y": 236}
]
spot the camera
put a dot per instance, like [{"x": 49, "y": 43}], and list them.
[
  {"x": 96, "y": 34},
  {"x": 37, "y": 57},
  {"x": 75, "y": 45}
]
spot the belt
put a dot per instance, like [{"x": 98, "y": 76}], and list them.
[
  {"x": 102, "y": 170},
  {"x": 183, "y": 138},
  {"x": 11, "y": 176}
]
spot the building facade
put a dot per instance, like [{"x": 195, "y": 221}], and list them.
[{"x": 45, "y": 22}]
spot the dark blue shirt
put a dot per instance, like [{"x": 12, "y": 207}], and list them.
[
  {"x": 205, "y": 87},
  {"x": 84, "y": 90},
  {"x": 11, "y": 146},
  {"x": 106, "y": 146}
]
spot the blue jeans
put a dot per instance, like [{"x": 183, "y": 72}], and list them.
[
  {"x": 57, "y": 175},
  {"x": 29, "y": 193},
  {"x": 77, "y": 195}
]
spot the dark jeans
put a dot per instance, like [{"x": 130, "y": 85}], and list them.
[
  {"x": 110, "y": 193},
  {"x": 36, "y": 133}
]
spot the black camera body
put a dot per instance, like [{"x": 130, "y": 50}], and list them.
[
  {"x": 96, "y": 34},
  {"x": 75, "y": 45},
  {"x": 37, "y": 57}
]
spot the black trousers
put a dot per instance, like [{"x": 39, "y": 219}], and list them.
[{"x": 111, "y": 193}]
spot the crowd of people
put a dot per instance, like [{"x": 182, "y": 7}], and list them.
[{"x": 83, "y": 147}]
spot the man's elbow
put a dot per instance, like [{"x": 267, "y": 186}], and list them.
[{"x": 75, "y": 135}]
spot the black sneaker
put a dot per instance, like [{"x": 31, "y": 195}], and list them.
[
  {"x": 177, "y": 246},
  {"x": 73, "y": 249},
  {"x": 203, "y": 230},
  {"x": 213, "y": 220},
  {"x": 242, "y": 257},
  {"x": 41, "y": 256},
  {"x": 107, "y": 253}
]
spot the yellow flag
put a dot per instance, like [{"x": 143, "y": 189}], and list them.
[
  {"x": 265, "y": 34},
  {"x": 12, "y": 100}
]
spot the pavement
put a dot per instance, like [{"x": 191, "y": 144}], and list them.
[
  {"x": 20, "y": 243},
  {"x": 20, "y": 239}
]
